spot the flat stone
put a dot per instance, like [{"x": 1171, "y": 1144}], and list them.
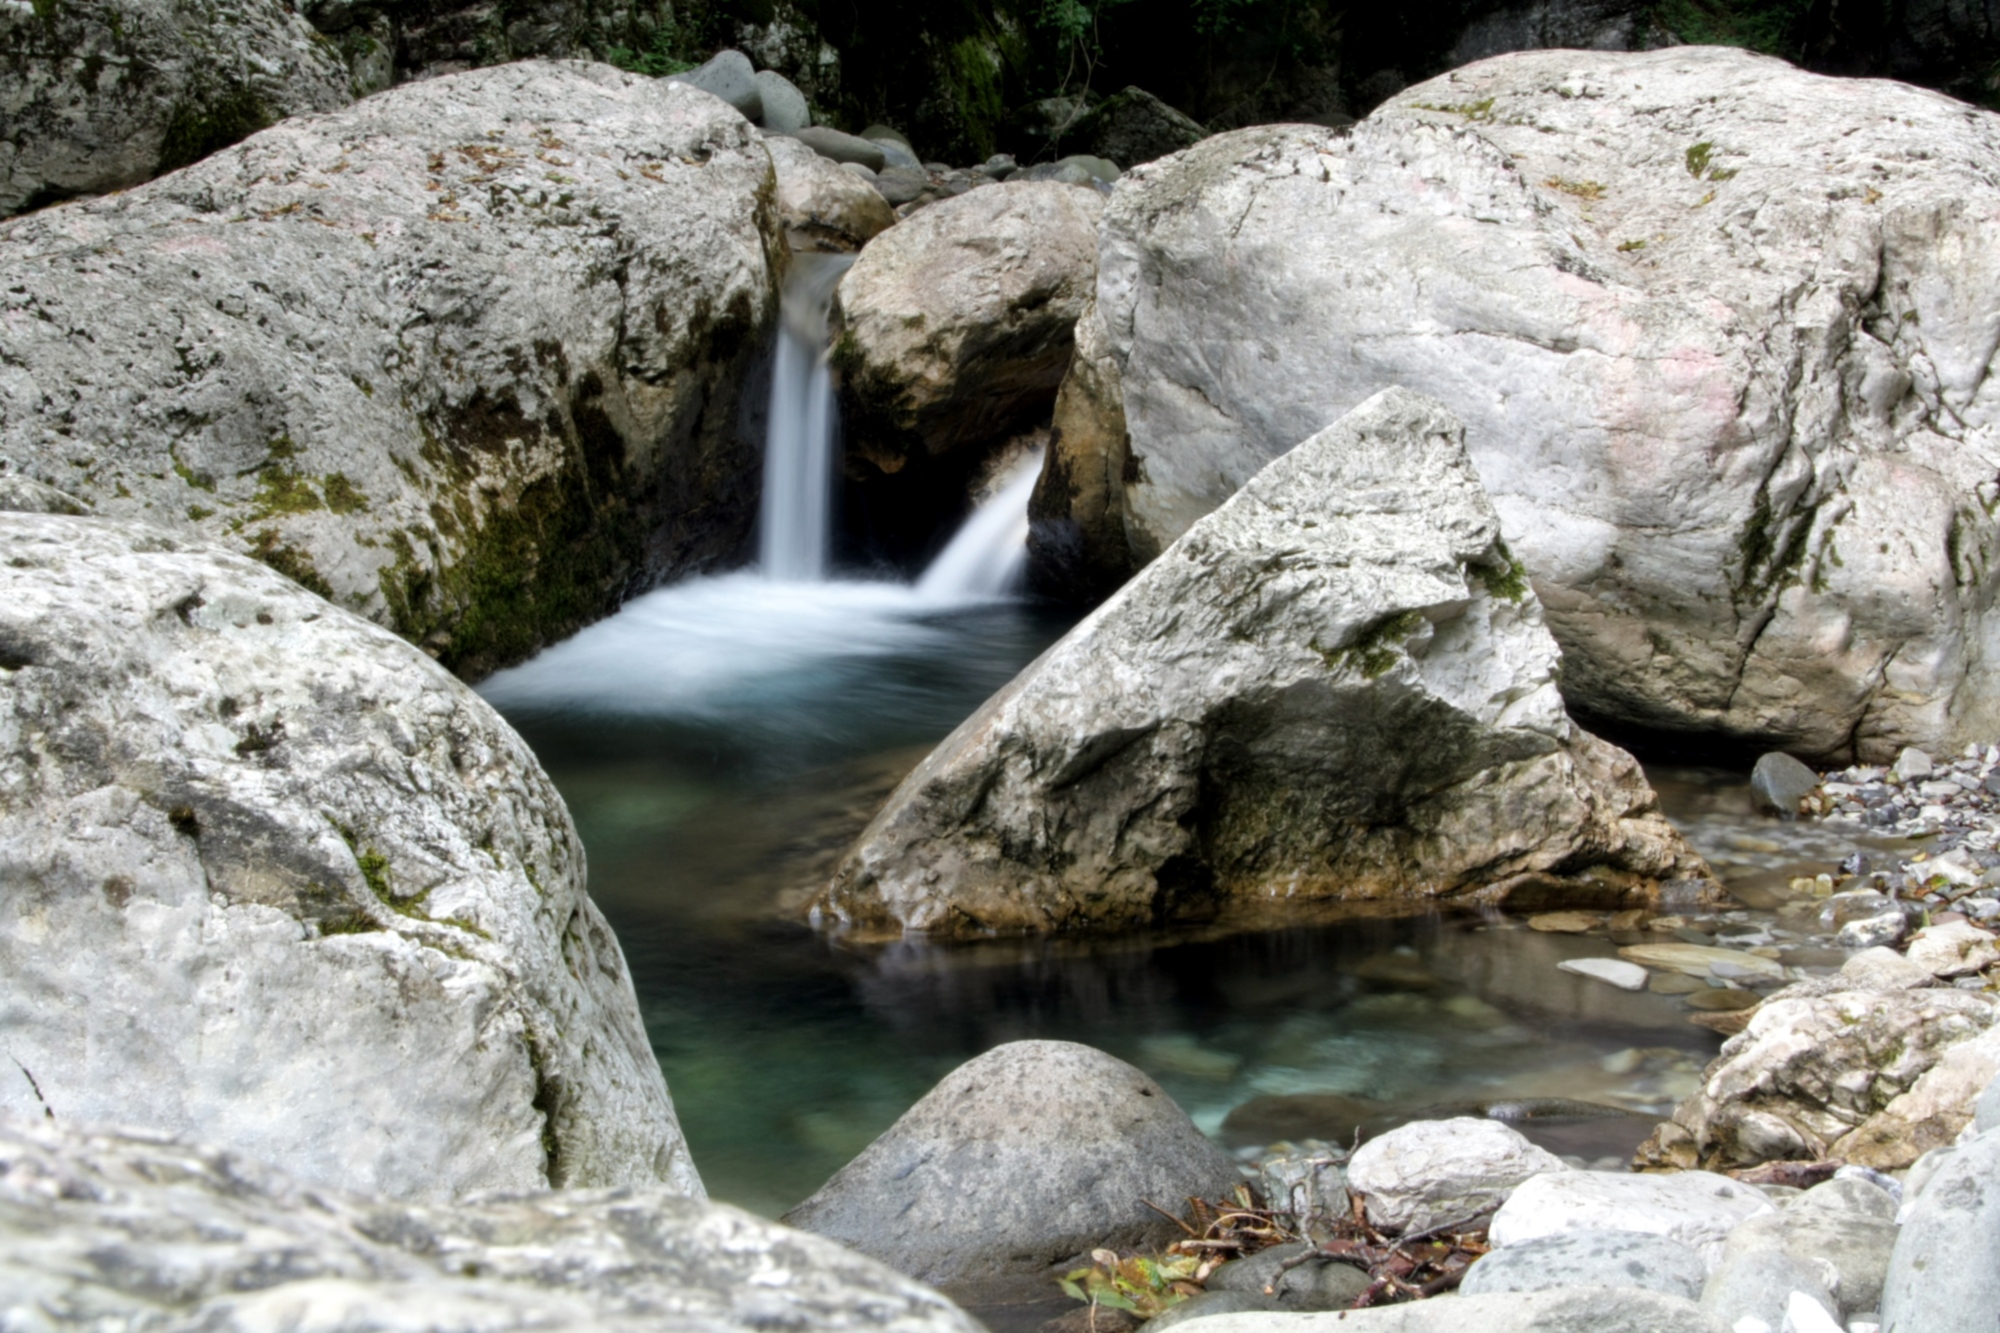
[
  {"x": 1565, "y": 923},
  {"x": 1625, "y": 976},
  {"x": 1701, "y": 960},
  {"x": 1590, "y": 1259},
  {"x": 835, "y": 146},
  {"x": 1697, "y": 1208},
  {"x": 1675, "y": 983},
  {"x": 1432, "y": 1172}
]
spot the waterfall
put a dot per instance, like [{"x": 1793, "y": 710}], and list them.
[
  {"x": 989, "y": 553},
  {"x": 796, "y": 518}
]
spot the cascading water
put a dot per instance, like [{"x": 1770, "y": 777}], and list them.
[
  {"x": 989, "y": 554},
  {"x": 796, "y": 519}
]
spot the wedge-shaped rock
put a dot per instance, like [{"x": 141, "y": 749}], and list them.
[
  {"x": 464, "y": 357},
  {"x": 272, "y": 878},
  {"x": 120, "y": 1230},
  {"x": 1718, "y": 329},
  {"x": 1338, "y": 685}
]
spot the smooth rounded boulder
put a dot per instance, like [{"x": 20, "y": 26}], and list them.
[
  {"x": 1336, "y": 687},
  {"x": 99, "y": 95},
  {"x": 467, "y": 357},
  {"x": 117, "y": 1229},
  {"x": 1020, "y": 1160},
  {"x": 821, "y": 206},
  {"x": 957, "y": 326},
  {"x": 1433, "y": 1172},
  {"x": 1716, "y": 327},
  {"x": 276, "y": 880},
  {"x": 1941, "y": 1277}
]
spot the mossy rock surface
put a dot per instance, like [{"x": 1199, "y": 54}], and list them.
[
  {"x": 104, "y": 94},
  {"x": 466, "y": 358}
]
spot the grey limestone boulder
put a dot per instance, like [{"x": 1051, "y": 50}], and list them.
[
  {"x": 1338, "y": 685},
  {"x": 102, "y": 1229},
  {"x": 465, "y": 357},
  {"x": 956, "y": 327},
  {"x": 784, "y": 108},
  {"x": 1597, "y": 1258},
  {"x": 730, "y": 76},
  {"x": 1843, "y": 1252},
  {"x": 1133, "y": 127},
  {"x": 1697, "y": 1208},
  {"x": 841, "y": 147},
  {"x": 98, "y": 95},
  {"x": 1711, "y": 324},
  {"x": 1567, "y": 1310},
  {"x": 1942, "y": 1276},
  {"x": 823, "y": 206},
  {"x": 1856, "y": 1074},
  {"x": 275, "y": 879},
  {"x": 1432, "y": 1172},
  {"x": 1018, "y": 1161}
]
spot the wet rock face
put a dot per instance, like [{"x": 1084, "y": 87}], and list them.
[
  {"x": 1707, "y": 319},
  {"x": 956, "y": 327},
  {"x": 465, "y": 358},
  {"x": 135, "y": 1230},
  {"x": 1336, "y": 686},
  {"x": 98, "y": 95},
  {"x": 1020, "y": 1160},
  {"x": 276, "y": 879}
]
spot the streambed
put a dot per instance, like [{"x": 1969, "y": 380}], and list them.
[{"x": 721, "y": 742}]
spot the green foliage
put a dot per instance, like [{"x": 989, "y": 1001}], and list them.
[
  {"x": 669, "y": 52},
  {"x": 1141, "y": 1285},
  {"x": 1774, "y": 27}
]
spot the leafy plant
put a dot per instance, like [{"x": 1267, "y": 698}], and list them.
[
  {"x": 665, "y": 54},
  {"x": 1140, "y": 1285}
]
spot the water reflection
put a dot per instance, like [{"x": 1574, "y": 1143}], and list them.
[{"x": 721, "y": 746}]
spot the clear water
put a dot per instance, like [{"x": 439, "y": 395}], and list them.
[{"x": 720, "y": 744}]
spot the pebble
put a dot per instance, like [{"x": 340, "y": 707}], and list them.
[{"x": 1566, "y": 923}]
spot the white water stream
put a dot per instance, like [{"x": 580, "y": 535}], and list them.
[{"x": 742, "y": 643}]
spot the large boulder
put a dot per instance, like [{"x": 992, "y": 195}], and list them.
[
  {"x": 822, "y": 206},
  {"x": 1715, "y": 329},
  {"x": 1336, "y": 686},
  {"x": 97, "y": 95},
  {"x": 1133, "y": 127},
  {"x": 1864, "y": 1073},
  {"x": 275, "y": 879},
  {"x": 956, "y": 327},
  {"x": 1942, "y": 1277},
  {"x": 1019, "y": 1161},
  {"x": 465, "y": 357},
  {"x": 121, "y": 1230}
]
